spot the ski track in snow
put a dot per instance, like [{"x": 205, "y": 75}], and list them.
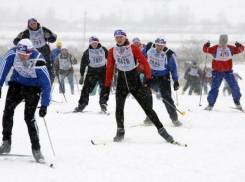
[{"x": 215, "y": 142}]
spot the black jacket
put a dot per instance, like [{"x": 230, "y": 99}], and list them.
[{"x": 85, "y": 62}]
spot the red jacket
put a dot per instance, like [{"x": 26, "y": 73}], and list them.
[
  {"x": 222, "y": 66},
  {"x": 138, "y": 56}
]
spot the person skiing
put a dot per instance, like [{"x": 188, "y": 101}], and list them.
[
  {"x": 126, "y": 57},
  {"x": 54, "y": 53},
  {"x": 193, "y": 77},
  {"x": 162, "y": 61},
  {"x": 63, "y": 68},
  {"x": 95, "y": 58},
  {"x": 29, "y": 81},
  {"x": 136, "y": 41},
  {"x": 222, "y": 69},
  {"x": 40, "y": 37}
]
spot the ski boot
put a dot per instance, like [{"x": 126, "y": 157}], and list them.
[
  {"x": 165, "y": 135},
  {"x": 120, "y": 135},
  {"x": 38, "y": 156},
  {"x": 103, "y": 107},
  {"x": 80, "y": 108},
  {"x": 238, "y": 105},
  {"x": 147, "y": 121},
  {"x": 209, "y": 107},
  {"x": 177, "y": 123},
  {"x": 5, "y": 147}
]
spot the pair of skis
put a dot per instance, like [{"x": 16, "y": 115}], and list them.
[
  {"x": 105, "y": 143},
  {"x": 41, "y": 161}
]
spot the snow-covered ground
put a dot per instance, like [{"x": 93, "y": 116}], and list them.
[{"x": 215, "y": 149}]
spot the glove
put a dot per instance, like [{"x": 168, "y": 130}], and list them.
[
  {"x": 147, "y": 83},
  {"x": 43, "y": 111},
  {"x": 81, "y": 80},
  {"x": 20, "y": 35},
  {"x": 207, "y": 44},
  {"x": 106, "y": 92},
  {"x": 47, "y": 35},
  {"x": 176, "y": 86},
  {"x": 238, "y": 44}
]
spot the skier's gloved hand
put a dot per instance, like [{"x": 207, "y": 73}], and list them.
[
  {"x": 106, "y": 92},
  {"x": 176, "y": 85},
  {"x": 207, "y": 44},
  {"x": 147, "y": 83},
  {"x": 238, "y": 44},
  {"x": 20, "y": 35},
  {"x": 81, "y": 80},
  {"x": 43, "y": 111},
  {"x": 47, "y": 35}
]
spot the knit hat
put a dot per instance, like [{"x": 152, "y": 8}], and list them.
[
  {"x": 25, "y": 47},
  {"x": 160, "y": 40},
  {"x": 31, "y": 20},
  {"x": 120, "y": 32},
  {"x": 223, "y": 38},
  {"x": 59, "y": 44},
  {"x": 93, "y": 39},
  {"x": 136, "y": 39}
]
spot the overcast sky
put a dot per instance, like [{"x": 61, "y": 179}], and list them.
[{"x": 74, "y": 9}]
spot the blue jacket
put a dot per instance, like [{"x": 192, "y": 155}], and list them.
[
  {"x": 31, "y": 73},
  {"x": 54, "y": 54},
  {"x": 171, "y": 66}
]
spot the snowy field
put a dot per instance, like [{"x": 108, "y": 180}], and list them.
[{"x": 215, "y": 142}]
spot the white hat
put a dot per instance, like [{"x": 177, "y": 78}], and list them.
[
  {"x": 25, "y": 47},
  {"x": 93, "y": 39},
  {"x": 120, "y": 32},
  {"x": 160, "y": 40}
]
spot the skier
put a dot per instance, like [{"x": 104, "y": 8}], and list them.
[
  {"x": 126, "y": 57},
  {"x": 162, "y": 61},
  {"x": 193, "y": 77},
  {"x": 137, "y": 42},
  {"x": 29, "y": 80},
  {"x": 63, "y": 68},
  {"x": 54, "y": 53},
  {"x": 222, "y": 68},
  {"x": 95, "y": 58},
  {"x": 227, "y": 87},
  {"x": 40, "y": 37}
]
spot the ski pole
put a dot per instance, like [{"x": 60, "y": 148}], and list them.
[
  {"x": 49, "y": 136},
  {"x": 183, "y": 113},
  {"x": 177, "y": 99},
  {"x": 76, "y": 81},
  {"x": 204, "y": 72}
]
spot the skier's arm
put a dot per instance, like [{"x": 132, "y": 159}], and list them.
[
  {"x": 52, "y": 37},
  {"x": 44, "y": 80},
  {"x": 84, "y": 62},
  {"x": 109, "y": 68},
  {"x": 237, "y": 50},
  {"x": 106, "y": 52},
  {"x": 172, "y": 66},
  {"x": 5, "y": 65},
  {"x": 57, "y": 65},
  {"x": 21, "y": 35}
]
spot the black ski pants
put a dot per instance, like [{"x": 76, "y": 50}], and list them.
[
  {"x": 88, "y": 87},
  {"x": 139, "y": 93},
  {"x": 164, "y": 85},
  {"x": 16, "y": 94}
]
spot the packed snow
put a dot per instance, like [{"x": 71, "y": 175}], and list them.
[{"x": 215, "y": 142}]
